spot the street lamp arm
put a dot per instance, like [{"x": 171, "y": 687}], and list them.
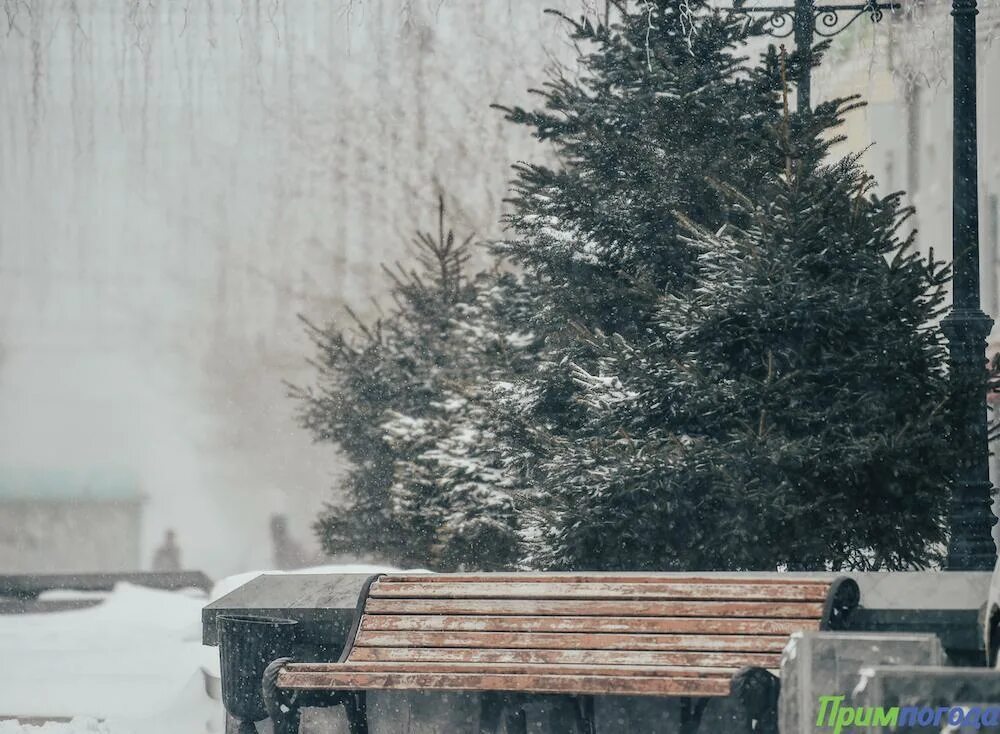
[{"x": 826, "y": 19}]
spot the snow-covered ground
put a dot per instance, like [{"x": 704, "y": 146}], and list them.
[
  {"x": 134, "y": 664},
  {"x": 135, "y": 661}
]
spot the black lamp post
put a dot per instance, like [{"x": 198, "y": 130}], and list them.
[{"x": 971, "y": 545}]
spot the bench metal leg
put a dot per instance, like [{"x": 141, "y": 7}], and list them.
[
  {"x": 490, "y": 709},
  {"x": 356, "y": 707},
  {"x": 517, "y": 721},
  {"x": 288, "y": 721},
  {"x": 691, "y": 711},
  {"x": 756, "y": 691},
  {"x": 586, "y": 722},
  {"x": 283, "y": 709}
]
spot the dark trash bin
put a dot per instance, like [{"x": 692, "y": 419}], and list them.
[{"x": 246, "y": 645}]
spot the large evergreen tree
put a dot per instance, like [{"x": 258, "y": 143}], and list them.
[
  {"x": 792, "y": 411},
  {"x": 664, "y": 106},
  {"x": 756, "y": 398}
]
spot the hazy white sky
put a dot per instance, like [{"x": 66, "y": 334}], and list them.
[{"x": 181, "y": 179}]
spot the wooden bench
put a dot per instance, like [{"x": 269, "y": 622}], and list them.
[{"x": 514, "y": 636}]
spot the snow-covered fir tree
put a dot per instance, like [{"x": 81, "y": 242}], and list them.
[
  {"x": 755, "y": 398},
  {"x": 406, "y": 400},
  {"x": 815, "y": 420},
  {"x": 665, "y": 105},
  {"x": 455, "y": 453},
  {"x": 662, "y": 105},
  {"x": 791, "y": 410}
]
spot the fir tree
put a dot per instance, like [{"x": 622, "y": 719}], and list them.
[
  {"x": 718, "y": 351},
  {"x": 455, "y": 453},
  {"x": 664, "y": 106},
  {"x": 403, "y": 399},
  {"x": 792, "y": 409},
  {"x": 739, "y": 369}
]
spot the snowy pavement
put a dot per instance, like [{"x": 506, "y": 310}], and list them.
[
  {"x": 134, "y": 661},
  {"x": 134, "y": 664}
]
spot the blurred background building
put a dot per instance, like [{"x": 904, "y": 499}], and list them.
[{"x": 54, "y": 521}]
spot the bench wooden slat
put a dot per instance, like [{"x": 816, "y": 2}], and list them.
[
  {"x": 598, "y": 590},
  {"x": 483, "y": 623},
  {"x": 571, "y": 640},
  {"x": 637, "y": 686},
  {"x": 566, "y": 657},
  {"x": 571, "y": 577},
  {"x": 534, "y": 607},
  {"x": 514, "y": 668}
]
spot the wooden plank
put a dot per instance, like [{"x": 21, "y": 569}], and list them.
[
  {"x": 609, "y": 577},
  {"x": 572, "y": 641},
  {"x": 634, "y": 686},
  {"x": 647, "y": 625},
  {"x": 676, "y": 590},
  {"x": 570, "y": 607},
  {"x": 602, "y": 670},
  {"x": 566, "y": 657}
]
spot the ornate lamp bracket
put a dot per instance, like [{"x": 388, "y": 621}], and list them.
[{"x": 828, "y": 20}]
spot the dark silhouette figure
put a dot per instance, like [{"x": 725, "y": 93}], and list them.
[
  {"x": 168, "y": 556},
  {"x": 287, "y": 554}
]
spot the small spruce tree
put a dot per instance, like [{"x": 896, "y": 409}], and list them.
[
  {"x": 455, "y": 453},
  {"x": 403, "y": 399}
]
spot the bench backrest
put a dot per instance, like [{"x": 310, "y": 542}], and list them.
[{"x": 713, "y": 624}]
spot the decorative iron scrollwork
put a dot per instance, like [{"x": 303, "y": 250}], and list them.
[
  {"x": 828, "y": 20},
  {"x": 780, "y": 23}
]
